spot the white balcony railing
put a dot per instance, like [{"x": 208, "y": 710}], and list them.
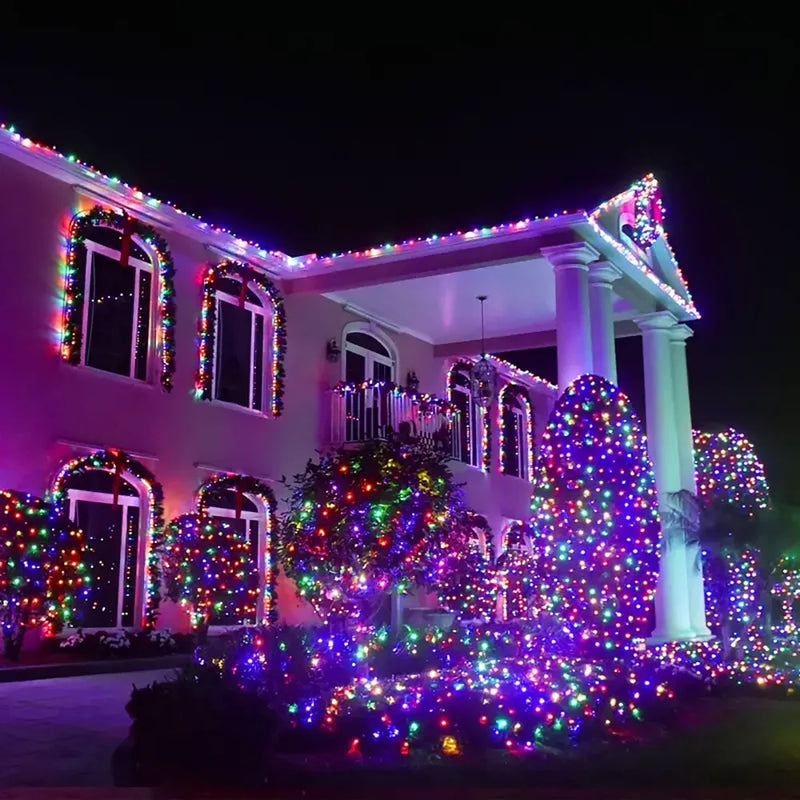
[{"x": 377, "y": 410}]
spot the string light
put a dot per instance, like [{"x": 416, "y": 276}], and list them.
[
  {"x": 72, "y": 332},
  {"x": 215, "y": 490},
  {"x": 521, "y": 395},
  {"x": 42, "y": 572},
  {"x": 120, "y": 463},
  {"x": 208, "y": 312},
  {"x": 595, "y": 517}
]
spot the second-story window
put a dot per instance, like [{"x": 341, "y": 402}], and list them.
[
  {"x": 118, "y": 305},
  {"x": 241, "y": 339},
  {"x": 516, "y": 433}
]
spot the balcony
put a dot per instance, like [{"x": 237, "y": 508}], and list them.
[{"x": 378, "y": 410}]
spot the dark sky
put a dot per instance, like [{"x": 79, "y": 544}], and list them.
[{"x": 317, "y": 142}]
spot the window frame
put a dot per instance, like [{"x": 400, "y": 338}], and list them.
[
  {"x": 266, "y": 350},
  {"x": 370, "y": 356},
  {"x": 124, "y": 501},
  {"x": 91, "y": 247},
  {"x": 475, "y": 420}
]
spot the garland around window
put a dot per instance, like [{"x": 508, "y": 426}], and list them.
[
  {"x": 72, "y": 324},
  {"x": 247, "y": 275}
]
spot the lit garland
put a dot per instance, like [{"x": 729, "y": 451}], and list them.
[
  {"x": 42, "y": 573},
  {"x": 427, "y": 403},
  {"x": 367, "y": 522},
  {"x": 206, "y": 349},
  {"x": 465, "y": 367},
  {"x": 219, "y": 485},
  {"x": 728, "y": 468},
  {"x": 648, "y": 212},
  {"x": 595, "y": 517},
  {"x": 119, "y": 464},
  {"x": 207, "y": 565},
  {"x": 522, "y": 395},
  {"x": 515, "y": 373},
  {"x": 72, "y": 326}
]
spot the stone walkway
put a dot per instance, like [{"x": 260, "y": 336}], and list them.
[{"x": 63, "y": 731}]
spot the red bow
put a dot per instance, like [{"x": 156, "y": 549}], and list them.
[{"x": 125, "y": 244}]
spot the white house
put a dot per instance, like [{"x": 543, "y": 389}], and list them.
[{"x": 128, "y": 325}]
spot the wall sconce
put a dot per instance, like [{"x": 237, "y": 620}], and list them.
[
  {"x": 332, "y": 351},
  {"x": 412, "y": 382}
]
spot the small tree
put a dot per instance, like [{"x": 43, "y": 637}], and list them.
[
  {"x": 207, "y": 565},
  {"x": 364, "y": 523},
  {"x": 41, "y": 569}
]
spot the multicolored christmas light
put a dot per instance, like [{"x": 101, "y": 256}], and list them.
[
  {"x": 595, "y": 517},
  {"x": 519, "y": 577},
  {"x": 214, "y": 490},
  {"x": 207, "y": 566},
  {"x": 728, "y": 468},
  {"x": 208, "y": 312},
  {"x": 42, "y": 573},
  {"x": 122, "y": 466},
  {"x": 366, "y": 522},
  {"x": 522, "y": 396},
  {"x": 72, "y": 324},
  {"x": 786, "y": 588}
]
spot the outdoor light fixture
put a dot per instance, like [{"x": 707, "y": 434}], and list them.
[
  {"x": 332, "y": 351},
  {"x": 484, "y": 374}
]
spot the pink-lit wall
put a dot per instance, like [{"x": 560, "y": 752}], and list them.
[{"x": 50, "y": 409}]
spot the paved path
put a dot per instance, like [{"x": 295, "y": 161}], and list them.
[{"x": 62, "y": 731}]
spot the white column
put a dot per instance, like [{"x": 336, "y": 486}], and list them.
[
  {"x": 672, "y": 596},
  {"x": 573, "y": 327},
  {"x": 601, "y": 306},
  {"x": 683, "y": 416}
]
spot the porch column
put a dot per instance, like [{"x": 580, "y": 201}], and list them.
[
  {"x": 573, "y": 327},
  {"x": 679, "y": 335},
  {"x": 672, "y": 595},
  {"x": 602, "y": 275}
]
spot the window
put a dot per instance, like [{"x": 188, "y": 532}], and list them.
[
  {"x": 252, "y": 524},
  {"x": 516, "y": 438},
  {"x": 113, "y": 547},
  {"x": 366, "y": 358},
  {"x": 471, "y": 416},
  {"x": 118, "y": 305},
  {"x": 241, "y": 340}
]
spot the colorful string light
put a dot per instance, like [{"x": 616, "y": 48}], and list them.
[
  {"x": 728, "y": 468},
  {"x": 72, "y": 324},
  {"x": 595, "y": 517},
  {"x": 122, "y": 465},
  {"x": 42, "y": 574},
  {"x": 206, "y": 349},
  {"x": 214, "y": 491},
  {"x": 521, "y": 394},
  {"x": 207, "y": 566}
]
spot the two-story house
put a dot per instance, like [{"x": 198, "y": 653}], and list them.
[{"x": 152, "y": 359}]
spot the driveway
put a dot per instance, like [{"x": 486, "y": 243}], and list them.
[{"x": 63, "y": 731}]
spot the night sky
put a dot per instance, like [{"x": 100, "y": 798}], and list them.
[{"x": 317, "y": 143}]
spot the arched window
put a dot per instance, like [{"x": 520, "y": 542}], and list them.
[
  {"x": 473, "y": 420},
  {"x": 368, "y": 356},
  {"x": 118, "y": 293},
  {"x": 248, "y": 506},
  {"x": 116, "y": 503},
  {"x": 516, "y": 432},
  {"x": 242, "y": 339}
]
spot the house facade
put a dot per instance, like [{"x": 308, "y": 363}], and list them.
[{"x": 156, "y": 364}]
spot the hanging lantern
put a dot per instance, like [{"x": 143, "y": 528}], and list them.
[{"x": 484, "y": 374}]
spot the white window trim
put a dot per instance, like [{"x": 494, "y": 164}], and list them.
[
  {"x": 258, "y": 517},
  {"x": 266, "y": 354},
  {"x": 125, "y": 502},
  {"x": 391, "y": 361},
  {"x": 91, "y": 248},
  {"x": 523, "y": 446},
  {"x": 475, "y": 420}
]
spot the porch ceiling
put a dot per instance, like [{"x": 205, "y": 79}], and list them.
[{"x": 442, "y": 308}]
